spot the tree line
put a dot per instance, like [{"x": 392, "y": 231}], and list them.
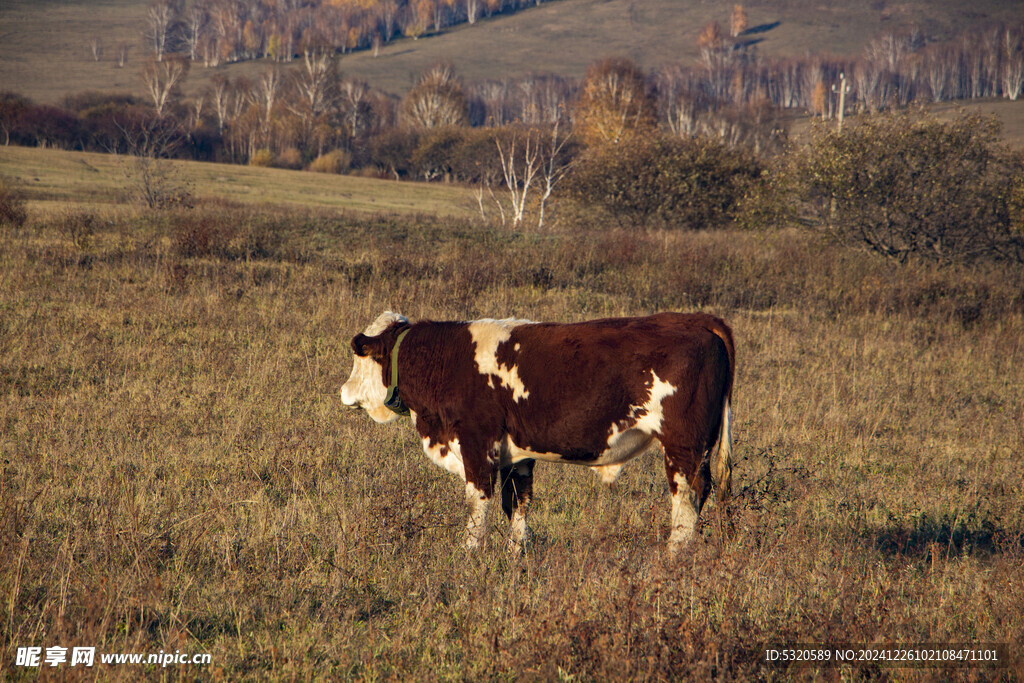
[
  {"x": 216, "y": 32},
  {"x": 291, "y": 115},
  {"x": 691, "y": 146}
]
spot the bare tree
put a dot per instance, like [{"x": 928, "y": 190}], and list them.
[
  {"x": 889, "y": 50},
  {"x": 195, "y": 109},
  {"x": 1013, "y": 64},
  {"x": 162, "y": 78},
  {"x": 354, "y": 105},
  {"x": 160, "y": 15},
  {"x": 936, "y": 70},
  {"x": 1013, "y": 76},
  {"x": 221, "y": 98},
  {"x": 151, "y": 182},
  {"x": 437, "y": 100},
  {"x": 122, "y": 55},
  {"x": 519, "y": 171},
  {"x": 316, "y": 82},
  {"x": 266, "y": 91},
  {"x": 195, "y": 20},
  {"x": 554, "y": 167}
]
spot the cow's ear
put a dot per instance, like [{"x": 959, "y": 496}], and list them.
[
  {"x": 359, "y": 345},
  {"x": 368, "y": 346}
]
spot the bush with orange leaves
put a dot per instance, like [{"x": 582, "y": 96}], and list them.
[{"x": 616, "y": 104}]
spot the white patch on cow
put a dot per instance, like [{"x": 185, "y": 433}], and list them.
[
  {"x": 629, "y": 437},
  {"x": 476, "y": 527},
  {"x": 447, "y": 456},
  {"x": 650, "y": 415},
  {"x": 608, "y": 474},
  {"x": 512, "y": 453},
  {"x": 383, "y": 322},
  {"x": 365, "y": 387},
  {"x": 684, "y": 515},
  {"x": 487, "y": 335}
]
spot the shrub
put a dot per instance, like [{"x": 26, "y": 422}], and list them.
[
  {"x": 694, "y": 183},
  {"x": 79, "y": 227},
  {"x": 289, "y": 158},
  {"x": 901, "y": 184},
  {"x": 12, "y": 205},
  {"x": 335, "y": 161},
  {"x": 436, "y": 151},
  {"x": 392, "y": 149},
  {"x": 199, "y": 234},
  {"x": 262, "y": 157}
]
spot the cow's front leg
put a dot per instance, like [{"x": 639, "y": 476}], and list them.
[
  {"x": 480, "y": 475},
  {"x": 476, "y": 528}
]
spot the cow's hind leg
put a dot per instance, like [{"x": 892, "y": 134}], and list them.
[
  {"x": 516, "y": 493},
  {"x": 689, "y": 482}
]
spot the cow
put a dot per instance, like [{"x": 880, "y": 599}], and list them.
[{"x": 488, "y": 398}]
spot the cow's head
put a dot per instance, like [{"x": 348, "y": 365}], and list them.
[{"x": 366, "y": 387}]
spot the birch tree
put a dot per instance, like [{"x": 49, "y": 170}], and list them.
[{"x": 162, "y": 79}]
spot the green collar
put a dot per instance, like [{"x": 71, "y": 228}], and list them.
[{"x": 393, "y": 401}]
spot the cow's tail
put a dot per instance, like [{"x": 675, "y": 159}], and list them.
[{"x": 721, "y": 451}]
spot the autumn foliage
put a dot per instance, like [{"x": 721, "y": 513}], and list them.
[{"x": 615, "y": 104}]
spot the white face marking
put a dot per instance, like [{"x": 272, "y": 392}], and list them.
[
  {"x": 364, "y": 387},
  {"x": 476, "y": 527},
  {"x": 447, "y": 456},
  {"x": 487, "y": 335},
  {"x": 684, "y": 515}
]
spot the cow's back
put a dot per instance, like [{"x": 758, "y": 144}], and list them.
[{"x": 579, "y": 380}]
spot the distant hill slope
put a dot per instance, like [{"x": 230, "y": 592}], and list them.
[{"x": 46, "y": 52}]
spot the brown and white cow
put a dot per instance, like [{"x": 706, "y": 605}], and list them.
[{"x": 490, "y": 397}]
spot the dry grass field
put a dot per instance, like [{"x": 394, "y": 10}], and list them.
[
  {"x": 52, "y": 179},
  {"x": 178, "y": 473},
  {"x": 46, "y": 54}
]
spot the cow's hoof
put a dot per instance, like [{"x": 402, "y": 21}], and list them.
[{"x": 515, "y": 547}]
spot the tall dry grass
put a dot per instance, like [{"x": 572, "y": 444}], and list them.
[{"x": 178, "y": 472}]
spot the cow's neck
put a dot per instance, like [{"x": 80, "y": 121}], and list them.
[{"x": 393, "y": 400}]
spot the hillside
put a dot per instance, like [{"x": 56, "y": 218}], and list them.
[
  {"x": 46, "y": 45},
  {"x": 54, "y": 179}
]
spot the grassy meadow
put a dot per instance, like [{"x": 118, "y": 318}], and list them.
[
  {"x": 52, "y": 180},
  {"x": 177, "y": 471},
  {"x": 46, "y": 45}
]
